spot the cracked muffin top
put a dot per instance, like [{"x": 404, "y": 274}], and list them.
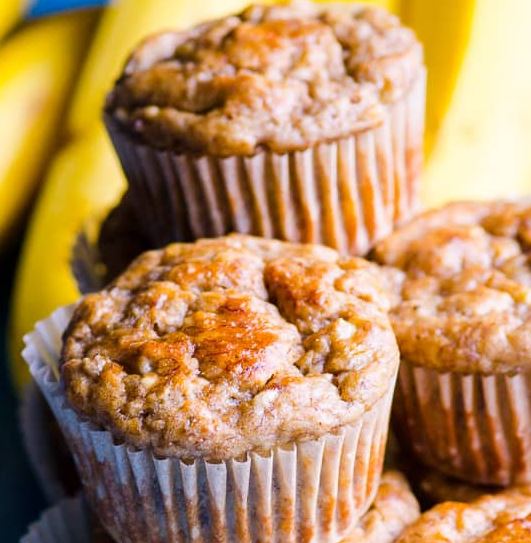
[
  {"x": 229, "y": 345},
  {"x": 278, "y": 77},
  {"x": 463, "y": 292},
  {"x": 500, "y": 518},
  {"x": 394, "y": 508}
]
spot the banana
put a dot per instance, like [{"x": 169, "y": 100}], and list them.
[
  {"x": 444, "y": 28},
  {"x": 10, "y": 12},
  {"x": 81, "y": 185},
  {"x": 390, "y": 5},
  {"x": 482, "y": 147},
  {"x": 37, "y": 69}
]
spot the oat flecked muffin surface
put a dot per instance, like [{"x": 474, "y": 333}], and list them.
[
  {"x": 464, "y": 288},
  {"x": 276, "y": 77},
  {"x": 229, "y": 345},
  {"x": 501, "y": 518}
]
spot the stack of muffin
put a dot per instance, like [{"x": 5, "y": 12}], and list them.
[{"x": 238, "y": 388}]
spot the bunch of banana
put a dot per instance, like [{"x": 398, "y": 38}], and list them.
[
  {"x": 475, "y": 52},
  {"x": 38, "y": 65}
]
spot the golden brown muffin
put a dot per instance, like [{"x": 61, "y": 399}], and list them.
[
  {"x": 462, "y": 317},
  {"x": 276, "y": 77},
  {"x": 501, "y": 518},
  {"x": 300, "y": 122},
  {"x": 466, "y": 287},
  {"x": 393, "y": 509},
  {"x": 225, "y": 346}
]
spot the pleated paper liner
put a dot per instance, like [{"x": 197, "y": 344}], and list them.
[
  {"x": 67, "y": 522},
  {"x": 476, "y": 428},
  {"x": 347, "y": 194},
  {"x": 394, "y": 509},
  {"x": 313, "y": 491},
  {"x": 45, "y": 447}
]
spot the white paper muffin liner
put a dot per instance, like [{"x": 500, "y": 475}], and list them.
[
  {"x": 347, "y": 193},
  {"x": 313, "y": 491},
  {"x": 67, "y": 522},
  {"x": 39, "y": 444},
  {"x": 476, "y": 428}
]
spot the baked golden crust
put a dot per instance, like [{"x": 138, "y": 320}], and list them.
[
  {"x": 500, "y": 518},
  {"x": 228, "y": 345},
  {"x": 280, "y": 77},
  {"x": 394, "y": 508},
  {"x": 464, "y": 289}
]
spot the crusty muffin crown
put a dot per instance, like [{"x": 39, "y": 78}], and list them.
[
  {"x": 223, "y": 346},
  {"x": 281, "y": 77},
  {"x": 463, "y": 294}
]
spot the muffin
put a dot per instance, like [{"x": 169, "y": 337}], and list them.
[
  {"x": 462, "y": 317},
  {"x": 301, "y": 122},
  {"x": 501, "y": 518},
  {"x": 235, "y": 389}
]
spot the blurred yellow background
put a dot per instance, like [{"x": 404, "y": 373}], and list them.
[{"x": 54, "y": 74}]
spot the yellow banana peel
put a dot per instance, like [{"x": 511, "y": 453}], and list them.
[
  {"x": 82, "y": 183},
  {"x": 444, "y": 28},
  {"x": 37, "y": 69},
  {"x": 483, "y": 147},
  {"x": 10, "y": 12}
]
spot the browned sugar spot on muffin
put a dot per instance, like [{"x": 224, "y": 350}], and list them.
[
  {"x": 223, "y": 346},
  {"x": 281, "y": 77}
]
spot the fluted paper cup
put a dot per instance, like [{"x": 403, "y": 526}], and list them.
[
  {"x": 312, "y": 491},
  {"x": 44, "y": 444},
  {"x": 476, "y": 428},
  {"x": 346, "y": 193},
  {"x": 67, "y": 522}
]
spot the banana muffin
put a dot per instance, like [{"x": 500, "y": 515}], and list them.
[
  {"x": 500, "y": 518},
  {"x": 298, "y": 121},
  {"x": 462, "y": 318},
  {"x": 244, "y": 382}
]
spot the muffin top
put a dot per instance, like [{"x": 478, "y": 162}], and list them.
[
  {"x": 279, "y": 77},
  {"x": 500, "y": 518},
  {"x": 464, "y": 287},
  {"x": 229, "y": 345},
  {"x": 394, "y": 508}
]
